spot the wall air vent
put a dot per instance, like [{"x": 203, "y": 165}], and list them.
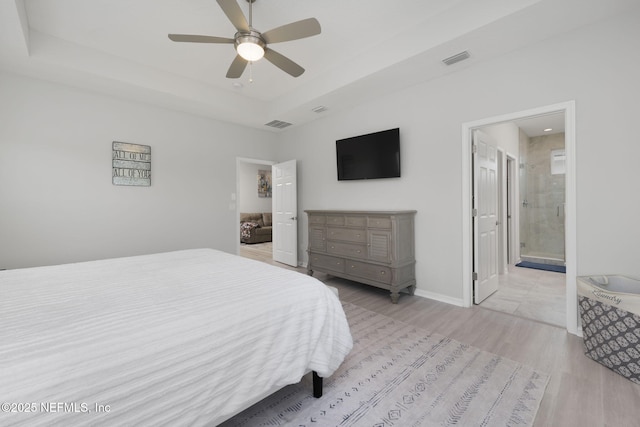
[
  {"x": 277, "y": 124},
  {"x": 456, "y": 58}
]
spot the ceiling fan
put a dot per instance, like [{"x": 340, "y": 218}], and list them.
[{"x": 251, "y": 44}]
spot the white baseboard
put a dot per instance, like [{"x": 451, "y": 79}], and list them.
[
  {"x": 426, "y": 294},
  {"x": 439, "y": 297}
]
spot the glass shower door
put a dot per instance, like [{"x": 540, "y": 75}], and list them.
[{"x": 542, "y": 193}]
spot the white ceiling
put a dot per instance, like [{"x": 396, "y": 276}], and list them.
[
  {"x": 366, "y": 48},
  {"x": 538, "y": 125}
]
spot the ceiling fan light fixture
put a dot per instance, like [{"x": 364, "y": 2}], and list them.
[{"x": 250, "y": 46}]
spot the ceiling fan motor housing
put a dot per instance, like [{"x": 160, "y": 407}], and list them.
[
  {"x": 250, "y": 45},
  {"x": 250, "y": 36}
]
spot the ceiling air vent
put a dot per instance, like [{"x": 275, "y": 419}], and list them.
[
  {"x": 319, "y": 109},
  {"x": 277, "y": 124},
  {"x": 456, "y": 58}
]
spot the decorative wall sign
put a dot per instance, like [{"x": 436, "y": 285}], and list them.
[
  {"x": 131, "y": 164},
  {"x": 264, "y": 183}
]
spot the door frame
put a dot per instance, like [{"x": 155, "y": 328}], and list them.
[
  {"x": 512, "y": 215},
  {"x": 568, "y": 109},
  {"x": 502, "y": 209},
  {"x": 235, "y": 197}
]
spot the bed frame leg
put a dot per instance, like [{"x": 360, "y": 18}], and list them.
[{"x": 317, "y": 385}]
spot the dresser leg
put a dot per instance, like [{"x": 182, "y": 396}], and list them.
[
  {"x": 395, "y": 295},
  {"x": 310, "y": 272},
  {"x": 412, "y": 290}
]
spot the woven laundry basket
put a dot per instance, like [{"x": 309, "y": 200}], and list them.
[{"x": 610, "y": 312}]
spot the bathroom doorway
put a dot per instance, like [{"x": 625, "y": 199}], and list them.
[
  {"x": 565, "y": 112},
  {"x": 526, "y": 289}
]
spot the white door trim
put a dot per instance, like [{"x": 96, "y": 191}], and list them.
[
  {"x": 513, "y": 234},
  {"x": 502, "y": 211},
  {"x": 568, "y": 108}
]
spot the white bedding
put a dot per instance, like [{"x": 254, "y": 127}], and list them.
[{"x": 179, "y": 338}]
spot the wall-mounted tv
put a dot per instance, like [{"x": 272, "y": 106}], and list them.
[{"x": 372, "y": 156}]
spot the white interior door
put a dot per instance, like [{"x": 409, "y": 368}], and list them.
[
  {"x": 285, "y": 213},
  {"x": 485, "y": 219}
]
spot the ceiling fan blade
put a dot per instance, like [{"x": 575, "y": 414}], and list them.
[
  {"x": 234, "y": 13},
  {"x": 294, "y": 31},
  {"x": 237, "y": 67},
  {"x": 191, "y": 38},
  {"x": 282, "y": 62}
]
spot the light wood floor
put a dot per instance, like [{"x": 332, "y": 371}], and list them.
[{"x": 581, "y": 392}]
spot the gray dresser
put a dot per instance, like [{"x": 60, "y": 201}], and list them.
[{"x": 372, "y": 247}]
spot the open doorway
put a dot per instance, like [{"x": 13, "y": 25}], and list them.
[
  {"x": 253, "y": 206},
  {"x": 568, "y": 116},
  {"x": 531, "y": 282}
]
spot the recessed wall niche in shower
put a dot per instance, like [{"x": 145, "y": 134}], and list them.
[{"x": 542, "y": 194}]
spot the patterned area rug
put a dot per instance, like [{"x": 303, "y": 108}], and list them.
[{"x": 398, "y": 375}]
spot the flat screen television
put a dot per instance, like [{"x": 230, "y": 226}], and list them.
[{"x": 372, "y": 156}]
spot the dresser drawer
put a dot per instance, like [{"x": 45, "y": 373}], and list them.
[
  {"x": 379, "y": 222},
  {"x": 347, "y": 234},
  {"x": 326, "y": 262},
  {"x": 356, "y": 221},
  {"x": 335, "y": 219},
  {"x": 369, "y": 271},
  {"x": 317, "y": 219},
  {"x": 347, "y": 249}
]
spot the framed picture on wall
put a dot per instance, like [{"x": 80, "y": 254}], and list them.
[
  {"x": 264, "y": 183},
  {"x": 131, "y": 164}
]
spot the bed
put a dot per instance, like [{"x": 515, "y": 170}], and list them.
[{"x": 179, "y": 338}]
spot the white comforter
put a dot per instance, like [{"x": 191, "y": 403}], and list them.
[{"x": 179, "y": 338}]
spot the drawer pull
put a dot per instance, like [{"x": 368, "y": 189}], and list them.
[
  {"x": 359, "y": 251},
  {"x": 382, "y": 273},
  {"x": 353, "y": 266}
]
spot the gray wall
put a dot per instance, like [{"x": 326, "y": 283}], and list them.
[{"x": 57, "y": 203}]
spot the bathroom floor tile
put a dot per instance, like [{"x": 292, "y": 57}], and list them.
[{"x": 532, "y": 294}]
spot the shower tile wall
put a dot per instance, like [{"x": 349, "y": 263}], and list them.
[{"x": 542, "y": 200}]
